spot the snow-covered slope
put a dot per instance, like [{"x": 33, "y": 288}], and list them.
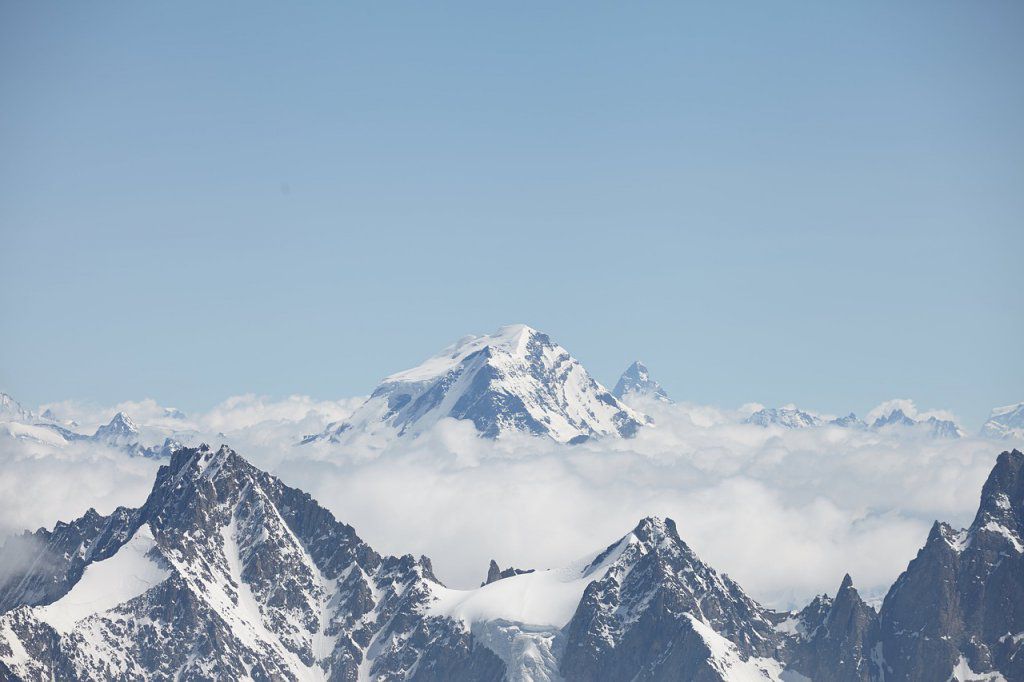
[
  {"x": 1005, "y": 422},
  {"x": 514, "y": 380},
  {"x": 637, "y": 381}
]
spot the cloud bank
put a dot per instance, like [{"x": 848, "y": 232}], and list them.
[{"x": 784, "y": 512}]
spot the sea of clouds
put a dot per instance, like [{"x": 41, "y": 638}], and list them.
[{"x": 784, "y": 512}]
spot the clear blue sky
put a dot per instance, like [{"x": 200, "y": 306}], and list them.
[{"x": 784, "y": 202}]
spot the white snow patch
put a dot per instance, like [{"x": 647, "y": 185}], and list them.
[
  {"x": 18, "y": 654},
  {"x": 542, "y": 598},
  {"x": 962, "y": 673},
  {"x": 105, "y": 584},
  {"x": 1000, "y": 529},
  {"x": 726, "y": 659}
]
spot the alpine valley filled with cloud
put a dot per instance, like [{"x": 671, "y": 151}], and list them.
[{"x": 497, "y": 513}]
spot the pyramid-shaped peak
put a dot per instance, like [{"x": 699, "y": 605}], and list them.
[
  {"x": 121, "y": 427},
  {"x": 637, "y": 381},
  {"x": 122, "y": 420}
]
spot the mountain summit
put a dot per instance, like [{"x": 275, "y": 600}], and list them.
[
  {"x": 636, "y": 380},
  {"x": 1005, "y": 422},
  {"x": 120, "y": 430},
  {"x": 514, "y": 380},
  {"x": 937, "y": 428}
]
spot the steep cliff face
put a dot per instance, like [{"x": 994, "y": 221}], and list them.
[{"x": 963, "y": 596}]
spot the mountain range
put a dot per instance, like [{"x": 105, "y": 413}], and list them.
[
  {"x": 120, "y": 433},
  {"x": 790, "y": 417},
  {"x": 225, "y": 572},
  {"x": 513, "y": 381}
]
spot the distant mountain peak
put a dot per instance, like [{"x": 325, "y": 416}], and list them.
[
  {"x": 120, "y": 428},
  {"x": 788, "y": 417},
  {"x": 1005, "y": 422},
  {"x": 895, "y": 416},
  {"x": 12, "y": 410},
  {"x": 513, "y": 380},
  {"x": 636, "y": 380},
  {"x": 850, "y": 421},
  {"x": 938, "y": 428}
]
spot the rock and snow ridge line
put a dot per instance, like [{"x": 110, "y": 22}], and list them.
[{"x": 223, "y": 547}]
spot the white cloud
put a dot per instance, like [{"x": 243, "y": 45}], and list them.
[
  {"x": 42, "y": 484},
  {"x": 786, "y": 513}
]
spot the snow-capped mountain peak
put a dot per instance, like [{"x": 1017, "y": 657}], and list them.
[
  {"x": 511, "y": 339},
  {"x": 121, "y": 429},
  {"x": 636, "y": 380},
  {"x": 895, "y": 417},
  {"x": 787, "y": 417},
  {"x": 12, "y": 410},
  {"x": 937, "y": 428},
  {"x": 514, "y": 380},
  {"x": 1005, "y": 422}
]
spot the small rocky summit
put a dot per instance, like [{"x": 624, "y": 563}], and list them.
[
  {"x": 850, "y": 421},
  {"x": 495, "y": 573},
  {"x": 226, "y": 573},
  {"x": 636, "y": 381}
]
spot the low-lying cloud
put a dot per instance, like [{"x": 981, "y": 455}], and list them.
[{"x": 785, "y": 513}]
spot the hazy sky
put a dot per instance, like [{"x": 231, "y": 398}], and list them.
[{"x": 799, "y": 202}]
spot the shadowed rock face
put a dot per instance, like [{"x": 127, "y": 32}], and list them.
[
  {"x": 964, "y": 592},
  {"x": 834, "y": 638},
  {"x": 632, "y": 623},
  {"x": 256, "y": 581}
]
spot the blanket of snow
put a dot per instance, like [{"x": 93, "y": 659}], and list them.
[
  {"x": 105, "y": 584},
  {"x": 510, "y": 338},
  {"x": 542, "y": 598}
]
